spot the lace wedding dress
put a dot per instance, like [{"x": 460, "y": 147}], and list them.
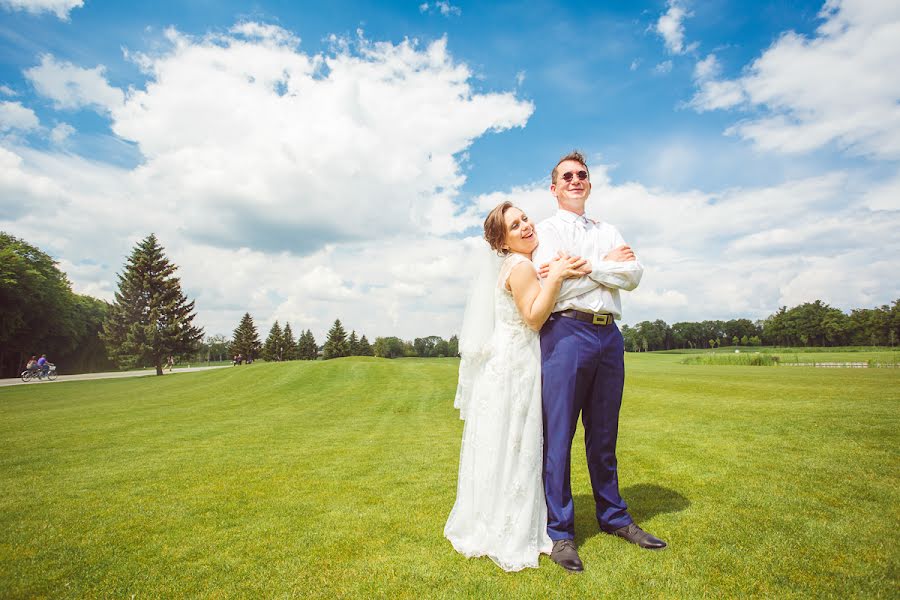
[{"x": 500, "y": 510}]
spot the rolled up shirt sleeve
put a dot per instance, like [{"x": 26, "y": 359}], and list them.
[{"x": 623, "y": 275}]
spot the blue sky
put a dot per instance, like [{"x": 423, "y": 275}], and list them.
[{"x": 306, "y": 161}]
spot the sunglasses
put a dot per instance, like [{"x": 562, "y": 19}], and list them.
[{"x": 582, "y": 175}]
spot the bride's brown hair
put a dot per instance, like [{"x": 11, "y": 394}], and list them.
[{"x": 495, "y": 227}]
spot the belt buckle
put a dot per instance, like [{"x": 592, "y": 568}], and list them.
[{"x": 600, "y": 319}]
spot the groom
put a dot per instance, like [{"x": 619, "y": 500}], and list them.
[{"x": 582, "y": 363}]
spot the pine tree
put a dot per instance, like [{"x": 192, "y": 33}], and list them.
[
  {"x": 245, "y": 339},
  {"x": 290, "y": 346},
  {"x": 306, "y": 346},
  {"x": 151, "y": 317},
  {"x": 353, "y": 344},
  {"x": 273, "y": 348},
  {"x": 365, "y": 349},
  {"x": 336, "y": 344}
]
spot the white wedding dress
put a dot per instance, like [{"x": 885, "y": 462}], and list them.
[{"x": 500, "y": 511}]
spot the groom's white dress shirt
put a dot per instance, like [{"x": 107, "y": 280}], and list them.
[{"x": 579, "y": 236}]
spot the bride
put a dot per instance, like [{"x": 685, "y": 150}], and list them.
[{"x": 500, "y": 510}]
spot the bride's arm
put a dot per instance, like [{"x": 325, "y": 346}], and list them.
[{"x": 535, "y": 302}]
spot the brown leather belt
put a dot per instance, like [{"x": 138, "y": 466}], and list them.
[{"x": 592, "y": 318}]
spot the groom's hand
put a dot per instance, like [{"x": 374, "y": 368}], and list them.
[{"x": 621, "y": 254}]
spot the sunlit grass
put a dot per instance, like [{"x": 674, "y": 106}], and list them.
[{"x": 335, "y": 478}]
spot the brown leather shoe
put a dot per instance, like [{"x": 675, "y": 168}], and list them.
[
  {"x": 565, "y": 555},
  {"x": 636, "y": 535}
]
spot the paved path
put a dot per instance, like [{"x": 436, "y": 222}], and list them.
[{"x": 113, "y": 375}]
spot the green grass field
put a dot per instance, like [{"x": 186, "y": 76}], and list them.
[{"x": 335, "y": 478}]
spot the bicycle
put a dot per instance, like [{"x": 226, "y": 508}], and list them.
[{"x": 37, "y": 374}]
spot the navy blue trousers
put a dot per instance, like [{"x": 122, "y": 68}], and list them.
[{"x": 583, "y": 371}]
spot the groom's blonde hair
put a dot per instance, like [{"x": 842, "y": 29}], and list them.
[{"x": 495, "y": 227}]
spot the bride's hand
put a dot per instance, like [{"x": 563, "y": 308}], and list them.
[
  {"x": 583, "y": 269},
  {"x": 566, "y": 267}
]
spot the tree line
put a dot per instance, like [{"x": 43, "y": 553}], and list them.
[
  {"x": 280, "y": 344},
  {"x": 431, "y": 346},
  {"x": 808, "y": 324},
  {"x": 152, "y": 320}
]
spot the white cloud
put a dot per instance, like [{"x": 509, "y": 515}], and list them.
[
  {"x": 282, "y": 183},
  {"x": 634, "y": 65},
  {"x": 830, "y": 88},
  {"x": 7, "y": 91},
  {"x": 61, "y": 8},
  {"x": 72, "y": 87},
  {"x": 15, "y": 117},
  {"x": 884, "y": 195},
  {"x": 61, "y": 132},
  {"x": 670, "y": 26},
  {"x": 520, "y": 78},
  {"x": 448, "y": 9},
  {"x": 663, "y": 67},
  {"x": 707, "y": 68},
  {"x": 714, "y": 95},
  {"x": 267, "y": 32},
  {"x": 442, "y": 6}
]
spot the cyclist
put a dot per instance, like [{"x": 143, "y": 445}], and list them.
[{"x": 44, "y": 365}]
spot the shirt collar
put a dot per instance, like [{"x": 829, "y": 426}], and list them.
[{"x": 570, "y": 217}]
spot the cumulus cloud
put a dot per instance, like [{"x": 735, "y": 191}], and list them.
[
  {"x": 281, "y": 182},
  {"x": 670, "y": 26},
  {"x": 15, "y": 117},
  {"x": 72, "y": 87},
  {"x": 829, "y": 88},
  {"x": 744, "y": 252},
  {"x": 61, "y": 8}
]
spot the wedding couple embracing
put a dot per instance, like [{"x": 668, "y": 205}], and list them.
[{"x": 539, "y": 345}]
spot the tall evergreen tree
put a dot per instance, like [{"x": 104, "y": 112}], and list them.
[
  {"x": 289, "y": 344},
  {"x": 245, "y": 339},
  {"x": 306, "y": 346},
  {"x": 365, "y": 349},
  {"x": 151, "y": 317},
  {"x": 353, "y": 344},
  {"x": 336, "y": 344},
  {"x": 274, "y": 347}
]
